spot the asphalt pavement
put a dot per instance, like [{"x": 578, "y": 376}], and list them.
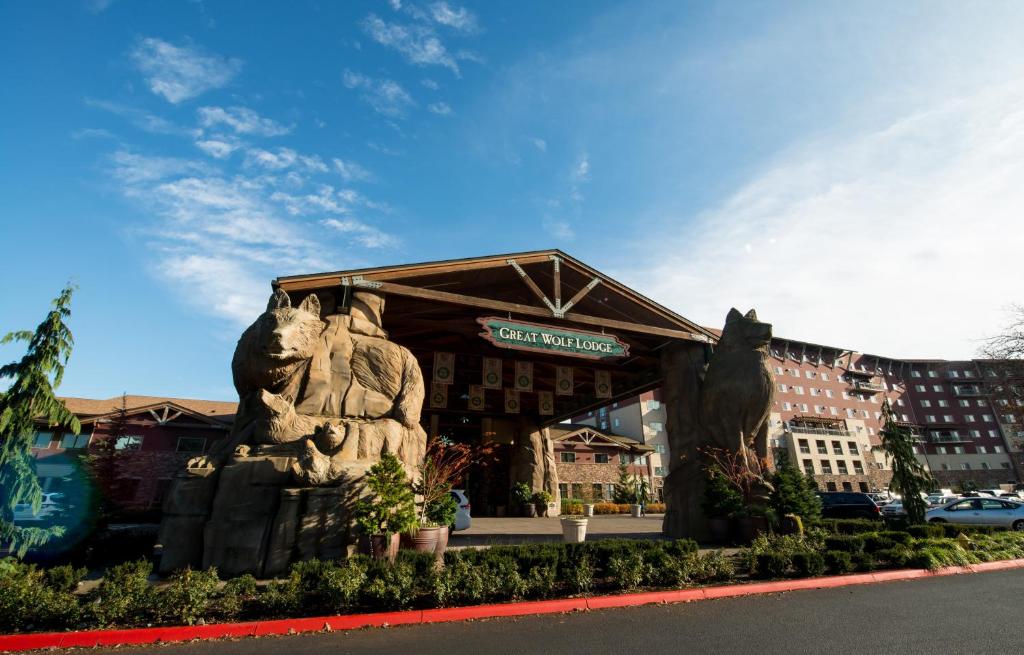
[{"x": 975, "y": 613}]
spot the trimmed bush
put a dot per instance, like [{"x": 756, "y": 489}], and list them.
[
  {"x": 237, "y": 596},
  {"x": 850, "y": 543},
  {"x": 850, "y": 526},
  {"x": 863, "y": 562},
  {"x": 771, "y": 564},
  {"x": 28, "y": 600},
  {"x": 125, "y": 596},
  {"x": 926, "y": 531},
  {"x": 188, "y": 597},
  {"x": 838, "y": 561},
  {"x": 629, "y": 571},
  {"x": 388, "y": 586},
  {"x": 808, "y": 564},
  {"x": 897, "y": 556}
]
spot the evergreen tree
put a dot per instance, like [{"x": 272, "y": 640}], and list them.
[
  {"x": 29, "y": 398},
  {"x": 721, "y": 499},
  {"x": 625, "y": 489},
  {"x": 793, "y": 492},
  {"x": 909, "y": 477},
  {"x": 390, "y": 507}
]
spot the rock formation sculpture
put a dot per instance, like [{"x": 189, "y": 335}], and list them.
[
  {"x": 720, "y": 400},
  {"x": 320, "y": 399}
]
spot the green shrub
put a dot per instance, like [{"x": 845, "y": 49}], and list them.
[
  {"x": 188, "y": 596},
  {"x": 897, "y": 536},
  {"x": 808, "y": 564},
  {"x": 897, "y": 556},
  {"x": 793, "y": 492},
  {"x": 838, "y": 561},
  {"x": 64, "y": 578},
  {"x": 863, "y": 562},
  {"x": 850, "y": 526},
  {"x": 237, "y": 594},
  {"x": 579, "y": 574},
  {"x": 711, "y": 567},
  {"x": 628, "y": 571},
  {"x": 877, "y": 541},
  {"x": 389, "y": 586},
  {"x": 771, "y": 564},
  {"x": 125, "y": 596},
  {"x": 850, "y": 543},
  {"x": 926, "y": 531},
  {"x": 29, "y": 602}
]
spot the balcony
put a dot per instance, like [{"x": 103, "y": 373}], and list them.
[
  {"x": 936, "y": 437},
  {"x": 862, "y": 386},
  {"x": 967, "y": 390},
  {"x": 861, "y": 374},
  {"x": 830, "y": 432}
]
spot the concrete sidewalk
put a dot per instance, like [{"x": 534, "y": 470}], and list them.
[{"x": 488, "y": 531}]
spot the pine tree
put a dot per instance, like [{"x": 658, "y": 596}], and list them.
[
  {"x": 793, "y": 492},
  {"x": 29, "y": 398},
  {"x": 625, "y": 489},
  {"x": 909, "y": 477},
  {"x": 390, "y": 506}
]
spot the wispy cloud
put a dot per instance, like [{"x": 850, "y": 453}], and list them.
[
  {"x": 365, "y": 235},
  {"x": 916, "y": 224},
  {"x": 218, "y": 147},
  {"x": 242, "y": 120},
  {"x": 179, "y": 73},
  {"x": 350, "y": 171},
  {"x": 92, "y": 133},
  {"x": 557, "y": 228},
  {"x": 430, "y": 84},
  {"x": 458, "y": 18},
  {"x": 579, "y": 176},
  {"x": 439, "y": 108},
  {"x": 283, "y": 158},
  {"x": 387, "y": 97},
  {"x": 419, "y": 44},
  {"x": 539, "y": 143},
  {"x": 141, "y": 119}
]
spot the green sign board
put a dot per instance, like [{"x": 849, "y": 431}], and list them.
[{"x": 533, "y": 337}]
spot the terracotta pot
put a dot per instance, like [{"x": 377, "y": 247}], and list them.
[
  {"x": 382, "y": 546},
  {"x": 425, "y": 539},
  {"x": 719, "y": 528},
  {"x": 442, "y": 542},
  {"x": 749, "y": 527}
]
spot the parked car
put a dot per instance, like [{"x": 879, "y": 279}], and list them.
[
  {"x": 995, "y": 493},
  {"x": 980, "y": 511},
  {"x": 462, "y": 517},
  {"x": 893, "y": 510},
  {"x": 50, "y": 508},
  {"x": 847, "y": 505},
  {"x": 938, "y": 500}
]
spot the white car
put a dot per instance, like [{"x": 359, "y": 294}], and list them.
[
  {"x": 980, "y": 511},
  {"x": 462, "y": 517},
  {"x": 938, "y": 500},
  {"x": 893, "y": 509}
]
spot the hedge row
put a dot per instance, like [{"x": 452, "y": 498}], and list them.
[
  {"x": 857, "y": 526},
  {"x": 34, "y": 599}
]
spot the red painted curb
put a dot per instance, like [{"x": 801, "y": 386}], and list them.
[{"x": 90, "y": 638}]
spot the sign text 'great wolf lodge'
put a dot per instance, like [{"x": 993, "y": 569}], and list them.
[{"x": 520, "y": 335}]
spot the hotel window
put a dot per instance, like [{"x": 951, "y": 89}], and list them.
[
  {"x": 833, "y": 411},
  {"x": 598, "y": 491},
  {"x": 659, "y": 471},
  {"x": 930, "y": 418},
  {"x": 191, "y": 445},
  {"x": 966, "y": 466},
  {"x": 42, "y": 440},
  {"x": 920, "y": 387},
  {"x": 905, "y": 418},
  {"x": 852, "y": 445},
  {"x": 814, "y": 391},
  {"x": 804, "y": 446},
  {"x": 660, "y": 448},
  {"x": 986, "y": 417},
  {"x": 943, "y": 403},
  {"x": 795, "y": 373},
  {"x": 985, "y": 465},
  {"x": 969, "y": 418},
  {"x": 858, "y": 468},
  {"x": 933, "y": 374},
  {"x": 837, "y": 448},
  {"x": 822, "y": 448},
  {"x": 653, "y": 405},
  {"x": 871, "y": 431},
  {"x": 798, "y": 391},
  {"x": 915, "y": 374},
  {"x": 826, "y": 467},
  {"x": 964, "y": 403},
  {"x": 937, "y": 388},
  {"x": 128, "y": 442},
  {"x": 981, "y": 403},
  {"x": 982, "y": 450},
  {"x": 824, "y": 377},
  {"x": 74, "y": 441},
  {"x": 958, "y": 450},
  {"x": 563, "y": 489},
  {"x": 976, "y": 434},
  {"x": 600, "y": 458},
  {"x": 841, "y": 467},
  {"x": 787, "y": 406},
  {"x": 569, "y": 458},
  {"x": 865, "y": 413},
  {"x": 778, "y": 370},
  {"x": 942, "y": 450},
  {"x": 615, "y": 422},
  {"x": 997, "y": 449},
  {"x": 878, "y": 415},
  {"x": 993, "y": 434},
  {"x": 809, "y": 375},
  {"x": 820, "y": 409},
  {"x": 656, "y": 426},
  {"x": 803, "y": 407},
  {"x": 808, "y": 467},
  {"x": 948, "y": 418},
  {"x": 953, "y": 374},
  {"x": 783, "y": 388},
  {"x": 828, "y": 393},
  {"x": 899, "y": 401},
  {"x": 850, "y": 413},
  {"x": 846, "y": 396},
  {"x": 968, "y": 374},
  {"x": 926, "y": 403}
]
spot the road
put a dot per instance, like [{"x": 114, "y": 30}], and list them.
[{"x": 977, "y": 613}]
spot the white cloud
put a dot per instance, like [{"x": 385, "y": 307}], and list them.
[
  {"x": 91, "y": 133},
  {"x": 417, "y": 43},
  {"x": 218, "y": 147},
  {"x": 350, "y": 171},
  {"x": 440, "y": 108},
  {"x": 904, "y": 241},
  {"x": 132, "y": 168},
  {"x": 581, "y": 171},
  {"x": 559, "y": 229},
  {"x": 387, "y": 97},
  {"x": 395, "y": 4},
  {"x": 282, "y": 158},
  {"x": 430, "y": 84},
  {"x": 242, "y": 120},
  {"x": 539, "y": 144},
  {"x": 365, "y": 235},
  {"x": 141, "y": 119},
  {"x": 178, "y": 73},
  {"x": 458, "y": 18}
]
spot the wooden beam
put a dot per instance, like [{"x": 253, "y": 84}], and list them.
[
  {"x": 582, "y": 292},
  {"x": 531, "y": 284},
  {"x": 529, "y": 310},
  {"x": 557, "y": 263}
]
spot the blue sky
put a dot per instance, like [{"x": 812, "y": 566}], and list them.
[{"x": 853, "y": 171}]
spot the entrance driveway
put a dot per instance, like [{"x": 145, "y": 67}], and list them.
[{"x": 489, "y": 531}]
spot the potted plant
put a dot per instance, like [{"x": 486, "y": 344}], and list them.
[
  {"x": 388, "y": 509},
  {"x": 523, "y": 495},
  {"x": 540, "y": 502},
  {"x": 574, "y": 529},
  {"x": 722, "y": 502},
  {"x": 745, "y": 472},
  {"x": 443, "y": 463}
]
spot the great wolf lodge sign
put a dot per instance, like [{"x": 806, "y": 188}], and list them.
[{"x": 520, "y": 335}]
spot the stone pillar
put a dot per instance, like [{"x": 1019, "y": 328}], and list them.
[
  {"x": 185, "y": 511},
  {"x": 682, "y": 366},
  {"x": 533, "y": 459}
]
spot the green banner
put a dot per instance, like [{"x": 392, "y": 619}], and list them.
[{"x": 533, "y": 337}]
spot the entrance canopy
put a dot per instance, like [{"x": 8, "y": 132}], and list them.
[{"x": 566, "y": 338}]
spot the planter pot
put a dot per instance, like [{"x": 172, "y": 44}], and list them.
[
  {"x": 749, "y": 527},
  {"x": 574, "y": 530},
  {"x": 588, "y": 510},
  {"x": 635, "y": 510},
  {"x": 499, "y": 511},
  {"x": 425, "y": 540},
  {"x": 719, "y": 529},
  {"x": 530, "y": 510},
  {"x": 382, "y": 546},
  {"x": 442, "y": 542},
  {"x": 540, "y": 510}
]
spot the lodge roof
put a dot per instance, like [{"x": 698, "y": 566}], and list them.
[
  {"x": 91, "y": 408},
  {"x": 563, "y": 431}
]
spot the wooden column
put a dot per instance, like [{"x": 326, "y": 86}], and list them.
[{"x": 682, "y": 364}]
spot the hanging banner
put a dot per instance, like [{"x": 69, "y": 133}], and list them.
[
  {"x": 476, "y": 397},
  {"x": 438, "y": 395},
  {"x": 511, "y": 401},
  {"x": 545, "y": 403},
  {"x": 492, "y": 373},
  {"x": 563, "y": 380},
  {"x": 524, "y": 376},
  {"x": 603, "y": 384},
  {"x": 444, "y": 367},
  {"x": 521, "y": 335}
]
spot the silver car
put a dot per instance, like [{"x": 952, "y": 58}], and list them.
[{"x": 980, "y": 511}]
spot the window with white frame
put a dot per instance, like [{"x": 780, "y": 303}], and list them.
[
  {"x": 782, "y": 388},
  {"x": 798, "y": 391},
  {"x": 926, "y": 403},
  {"x": 933, "y": 374},
  {"x": 920, "y": 388},
  {"x": 128, "y": 442},
  {"x": 969, "y": 418},
  {"x": 943, "y": 403},
  {"x": 948, "y": 418},
  {"x": 787, "y": 406},
  {"x": 982, "y": 450},
  {"x": 937, "y": 388},
  {"x": 833, "y": 411},
  {"x": 656, "y": 426},
  {"x": 915, "y": 374},
  {"x": 930, "y": 418}
]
